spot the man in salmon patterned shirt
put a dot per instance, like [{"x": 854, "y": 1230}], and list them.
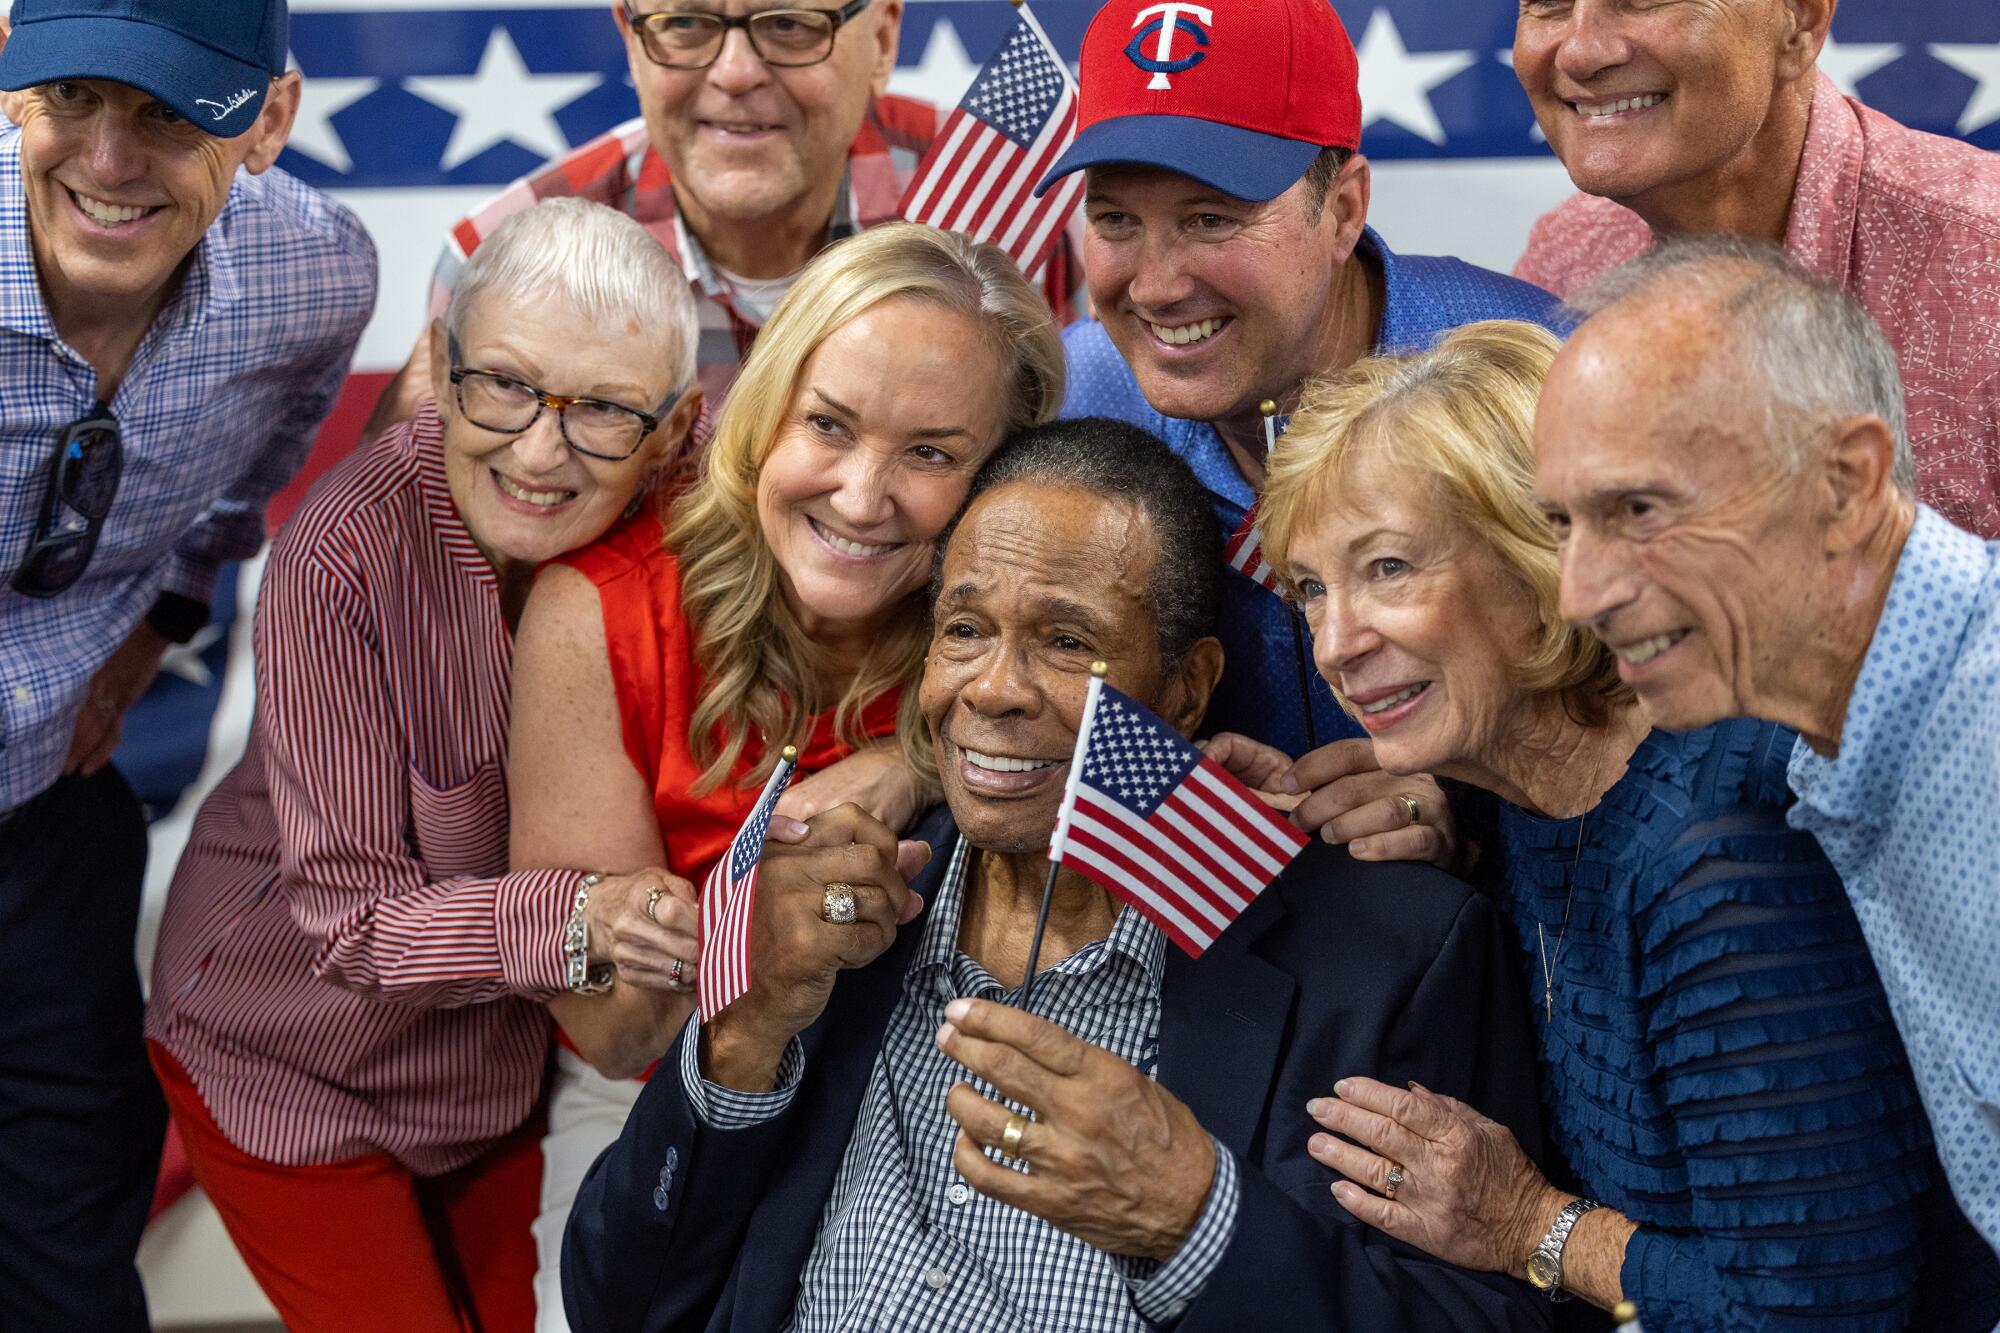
[{"x": 1714, "y": 118}]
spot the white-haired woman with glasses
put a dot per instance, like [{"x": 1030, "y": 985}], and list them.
[
  {"x": 348, "y": 1003},
  {"x": 777, "y": 598}
]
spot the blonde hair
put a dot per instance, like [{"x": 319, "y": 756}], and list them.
[
  {"x": 1460, "y": 418},
  {"x": 759, "y": 667}
]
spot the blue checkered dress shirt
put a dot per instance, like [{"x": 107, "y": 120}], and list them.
[
  {"x": 216, "y": 413},
  {"x": 904, "y": 1241},
  {"x": 1909, "y": 814}
]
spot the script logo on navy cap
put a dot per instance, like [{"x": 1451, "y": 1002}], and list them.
[{"x": 1173, "y": 18}]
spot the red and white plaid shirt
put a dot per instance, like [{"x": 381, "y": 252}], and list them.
[
  {"x": 1910, "y": 223},
  {"x": 620, "y": 168}
]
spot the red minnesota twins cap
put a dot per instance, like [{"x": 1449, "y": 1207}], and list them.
[{"x": 1240, "y": 95}]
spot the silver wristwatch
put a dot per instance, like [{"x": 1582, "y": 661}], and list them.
[
  {"x": 578, "y": 974},
  {"x": 1545, "y": 1265}
]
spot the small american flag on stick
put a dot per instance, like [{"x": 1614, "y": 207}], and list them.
[
  {"x": 1013, "y": 123},
  {"x": 1245, "y": 554},
  {"x": 1152, "y": 819},
  {"x": 727, "y": 897}
]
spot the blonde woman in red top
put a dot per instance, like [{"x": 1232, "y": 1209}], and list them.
[{"x": 777, "y": 599}]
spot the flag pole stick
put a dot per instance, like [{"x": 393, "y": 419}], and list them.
[
  {"x": 1270, "y": 411},
  {"x": 1060, "y": 838}
]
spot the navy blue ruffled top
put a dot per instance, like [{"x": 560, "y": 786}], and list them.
[{"x": 1720, "y": 1064}]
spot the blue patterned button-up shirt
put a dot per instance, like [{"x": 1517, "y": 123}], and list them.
[
  {"x": 1423, "y": 297},
  {"x": 904, "y": 1242},
  {"x": 216, "y": 413},
  {"x": 1909, "y": 813}
]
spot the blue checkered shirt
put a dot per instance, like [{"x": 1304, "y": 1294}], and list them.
[
  {"x": 1909, "y": 814},
  {"x": 904, "y": 1241},
  {"x": 216, "y": 413}
]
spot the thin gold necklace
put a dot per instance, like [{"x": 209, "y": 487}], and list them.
[{"x": 1549, "y": 970}]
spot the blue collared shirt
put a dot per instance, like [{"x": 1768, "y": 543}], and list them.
[
  {"x": 217, "y": 411},
  {"x": 904, "y": 1242},
  {"x": 1909, "y": 813},
  {"x": 1423, "y": 297}
]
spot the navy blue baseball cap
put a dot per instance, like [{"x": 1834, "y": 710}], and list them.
[{"x": 210, "y": 60}]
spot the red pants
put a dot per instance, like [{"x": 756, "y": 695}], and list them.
[{"x": 364, "y": 1244}]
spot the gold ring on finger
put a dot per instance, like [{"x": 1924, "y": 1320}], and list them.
[
  {"x": 1010, "y": 1137},
  {"x": 653, "y": 896},
  {"x": 1411, "y": 808},
  {"x": 837, "y": 905},
  {"x": 1393, "y": 1181}
]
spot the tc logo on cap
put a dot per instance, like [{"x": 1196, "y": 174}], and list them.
[{"x": 1172, "y": 19}]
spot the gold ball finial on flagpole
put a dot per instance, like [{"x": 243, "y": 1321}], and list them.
[
  {"x": 791, "y": 754},
  {"x": 1098, "y": 669},
  {"x": 1268, "y": 408}
]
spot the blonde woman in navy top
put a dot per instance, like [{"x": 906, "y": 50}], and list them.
[{"x": 1743, "y": 1143}]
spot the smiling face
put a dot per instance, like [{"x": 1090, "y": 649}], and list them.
[
  {"x": 1217, "y": 303},
  {"x": 1415, "y": 621},
  {"x": 1644, "y": 97},
  {"x": 1684, "y": 546},
  {"x": 746, "y": 141},
  {"x": 889, "y": 420},
  {"x": 529, "y": 497},
  {"x": 121, "y": 188},
  {"x": 1038, "y": 582}
]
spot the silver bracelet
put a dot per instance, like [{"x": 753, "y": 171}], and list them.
[{"x": 579, "y": 975}]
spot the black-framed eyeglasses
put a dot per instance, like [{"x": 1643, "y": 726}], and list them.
[
  {"x": 786, "y": 38},
  {"x": 82, "y": 480},
  {"x": 501, "y": 403}
]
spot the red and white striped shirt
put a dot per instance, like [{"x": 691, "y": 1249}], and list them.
[{"x": 344, "y": 965}]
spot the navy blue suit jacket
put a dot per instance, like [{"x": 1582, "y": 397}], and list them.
[{"x": 1341, "y": 967}]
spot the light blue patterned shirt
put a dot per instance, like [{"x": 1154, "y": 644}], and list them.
[
  {"x": 1909, "y": 813},
  {"x": 218, "y": 410},
  {"x": 904, "y": 1242}
]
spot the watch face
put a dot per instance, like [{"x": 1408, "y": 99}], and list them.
[{"x": 1543, "y": 1271}]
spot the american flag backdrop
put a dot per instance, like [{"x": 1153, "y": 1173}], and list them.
[
  {"x": 1159, "y": 824},
  {"x": 416, "y": 111}
]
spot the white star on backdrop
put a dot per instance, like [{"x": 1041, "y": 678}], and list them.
[
  {"x": 1847, "y": 63},
  {"x": 1396, "y": 85},
  {"x": 502, "y": 103},
  {"x": 1982, "y": 62},
  {"x": 944, "y": 73},
  {"x": 320, "y": 100},
  {"x": 184, "y": 659}
]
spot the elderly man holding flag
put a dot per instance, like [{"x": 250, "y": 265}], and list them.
[{"x": 870, "y": 1135}]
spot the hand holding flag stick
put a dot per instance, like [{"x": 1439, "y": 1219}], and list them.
[{"x": 727, "y": 897}]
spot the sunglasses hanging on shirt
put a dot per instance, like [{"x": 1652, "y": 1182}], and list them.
[{"x": 83, "y": 474}]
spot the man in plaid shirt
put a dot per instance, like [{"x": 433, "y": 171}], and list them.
[
  {"x": 758, "y": 144},
  {"x": 175, "y": 321}
]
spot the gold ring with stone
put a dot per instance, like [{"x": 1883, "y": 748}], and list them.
[
  {"x": 1010, "y": 1137},
  {"x": 1411, "y": 808},
  {"x": 837, "y": 905},
  {"x": 1393, "y": 1181},
  {"x": 653, "y": 895}
]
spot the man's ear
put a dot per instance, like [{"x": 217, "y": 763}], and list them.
[
  {"x": 274, "y": 122},
  {"x": 15, "y": 104},
  {"x": 1347, "y": 204},
  {"x": 1809, "y": 21},
  {"x": 1184, "y": 700},
  {"x": 888, "y": 40},
  {"x": 1858, "y": 474}
]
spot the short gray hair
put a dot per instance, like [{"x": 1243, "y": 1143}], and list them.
[
  {"x": 597, "y": 258},
  {"x": 1816, "y": 353}
]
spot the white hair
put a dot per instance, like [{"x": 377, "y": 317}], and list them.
[
  {"x": 1810, "y": 348},
  {"x": 601, "y": 261}
]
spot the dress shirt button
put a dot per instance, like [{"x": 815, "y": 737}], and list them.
[
  {"x": 958, "y": 1193},
  {"x": 936, "y": 1279}
]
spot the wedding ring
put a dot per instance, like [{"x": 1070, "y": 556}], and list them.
[
  {"x": 1393, "y": 1182},
  {"x": 1411, "y": 808},
  {"x": 1010, "y": 1137},
  {"x": 677, "y": 975},
  {"x": 837, "y": 905},
  {"x": 653, "y": 896}
]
